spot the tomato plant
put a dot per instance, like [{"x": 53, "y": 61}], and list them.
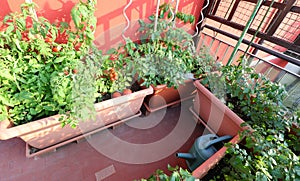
[{"x": 52, "y": 68}]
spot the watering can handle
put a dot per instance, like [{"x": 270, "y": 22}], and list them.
[{"x": 217, "y": 140}]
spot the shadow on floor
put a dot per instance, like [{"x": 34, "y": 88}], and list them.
[{"x": 131, "y": 151}]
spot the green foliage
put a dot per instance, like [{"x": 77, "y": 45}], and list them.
[
  {"x": 266, "y": 156},
  {"x": 51, "y": 68},
  {"x": 203, "y": 63},
  {"x": 164, "y": 56},
  {"x": 177, "y": 174},
  {"x": 251, "y": 95},
  {"x": 268, "y": 152}
]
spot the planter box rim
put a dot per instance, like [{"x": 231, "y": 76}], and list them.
[{"x": 15, "y": 131}]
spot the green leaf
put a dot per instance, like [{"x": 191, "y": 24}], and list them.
[
  {"x": 152, "y": 18},
  {"x": 6, "y": 101},
  {"x": 17, "y": 42},
  {"x": 185, "y": 19},
  {"x": 21, "y": 23},
  {"x": 6, "y": 74},
  {"x": 59, "y": 59},
  {"x": 75, "y": 17},
  {"x": 33, "y": 111},
  {"x": 169, "y": 14},
  {"x": 192, "y": 19},
  {"x": 49, "y": 108},
  {"x": 19, "y": 35},
  {"x": 9, "y": 29}
]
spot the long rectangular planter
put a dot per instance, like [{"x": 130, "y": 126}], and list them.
[
  {"x": 164, "y": 96},
  {"x": 48, "y": 131},
  {"x": 219, "y": 119}
]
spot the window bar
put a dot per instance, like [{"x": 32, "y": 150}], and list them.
[
  {"x": 218, "y": 47},
  {"x": 226, "y": 51},
  {"x": 291, "y": 88},
  {"x": 203, "y": 41},
  {"x": 269, "y": 71},
  {"x": 278, "y": 79},
  {"x": 211, "y": 42},
  {"x": 258, "y": 62}
]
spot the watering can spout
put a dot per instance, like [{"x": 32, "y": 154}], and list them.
[{"x": 187, "y": 156}]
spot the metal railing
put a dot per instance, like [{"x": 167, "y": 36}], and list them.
[{"x": 222, "y": 49}]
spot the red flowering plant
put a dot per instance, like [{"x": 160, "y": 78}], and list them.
[{"x": 43, "y": 74}]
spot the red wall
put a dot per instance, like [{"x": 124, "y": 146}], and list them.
[{"x": 110, "y": 19}]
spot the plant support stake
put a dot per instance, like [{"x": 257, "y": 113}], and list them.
[
  {"x": 176, "y": 10},
  {"x": 201, "y": 20},
  {"x": 127, "y": 19},
  {"x": 156, "y": 15},
  {"x": 244, "y": 31}
]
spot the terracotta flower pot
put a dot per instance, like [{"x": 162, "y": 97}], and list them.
[
  {"x": 48, "y": 131},
  {"x": 219, "y": 119},
  {"x": 164, "y": 96}
]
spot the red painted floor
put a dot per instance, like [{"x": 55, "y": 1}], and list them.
[{"x": 133, "y": 150}]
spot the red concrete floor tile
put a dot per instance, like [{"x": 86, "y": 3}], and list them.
[{"x": 87, "y": 162}]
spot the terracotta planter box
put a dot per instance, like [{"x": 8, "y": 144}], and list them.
[
  {"x": 48, "y": 131},
  {"x": 164, "y": 96},
  {"x": 219, "y": 119}
]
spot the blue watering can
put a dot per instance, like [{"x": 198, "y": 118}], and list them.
[{"x": 202, "y": 149}]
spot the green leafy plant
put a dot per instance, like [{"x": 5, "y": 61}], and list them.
[
  {"x": 267, "y": 152},
  {"x": 251, "y": 95},
  {"x": 265, "y": 156},
  {"x": 52, "y": 69},
  {"x": 177, "y": 174},
  {"x": 203, "y": 63},
  {"x": 163, "y": 55},
  {"x": 38, "y": 69}
]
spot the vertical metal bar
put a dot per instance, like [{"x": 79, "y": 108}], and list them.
[
  {"x": 226, "y": 51},
  {"x": 216, "y": 7},
  {"x": 259, "y": 60},
  {"x": 260, "y": 24},
  {"x": 279, "y": 79},
  {"x": 218, "y": 47},
  {"x": 269, "y": 71},
  {"x": 212, "y": 41},
  {"x": 203, "y": 41},
  {"x": 236, "y": 4},
  {"x": 280, "y": 16}
]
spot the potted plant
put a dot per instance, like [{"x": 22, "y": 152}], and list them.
[
  {"x": 256, "y": 100},
  {"x": 50, "y": 85},
  {"x": 163, "y": 58}
]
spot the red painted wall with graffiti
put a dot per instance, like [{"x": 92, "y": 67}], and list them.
[{"x": 110, "y": 19}]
